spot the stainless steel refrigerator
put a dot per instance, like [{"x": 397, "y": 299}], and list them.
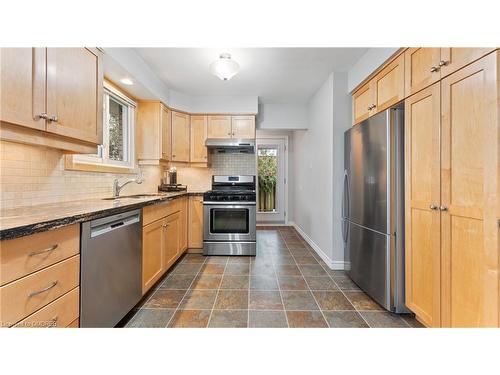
[{"x": 373, "y": 207}]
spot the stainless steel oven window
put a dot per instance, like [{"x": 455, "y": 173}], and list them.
[{"x": 229, "y": 220}]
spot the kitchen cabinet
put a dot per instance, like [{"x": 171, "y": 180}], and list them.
[
  {"x": 461, "y": 213},
  {"x": 164, "y": 239},
  {"x": 423, "y": 219},
  {"x": 469, "y": 195},
  {"x": 455, "y": 58},
  {"x": 152, "y": 253},
  {"x": 180, "y": 137},
  {"x": 389, "y": 85},
  {"x": 195, "y": 222},
  {"x": 219, "y": 127},
  {"x": 199, "y": 129},
  {"x": 363, "y": 103},
  {"x": 172, "y": 239},
  {"x": 154, "y": 133},
  {"x": 74, "y": 101},
  {"x": 39, "y": 279},
  {"x": 421, "y": 68},
  {"x": 45, "y": 103},
  {"x": 243, "y": 126}
]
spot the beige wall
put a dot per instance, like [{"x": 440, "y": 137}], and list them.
[{"x": 35, "y": 175}]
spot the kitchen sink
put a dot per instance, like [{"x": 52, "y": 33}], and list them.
[{"x": 134, "y": 196}]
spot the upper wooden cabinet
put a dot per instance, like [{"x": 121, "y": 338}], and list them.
[
  {"x": 180, "y": 137},
  {"x": 55, "y": 90},
  {"x": 243, "y": 126},
  {"x": 421, "y": 68},
  {"x": 22, "y": 98},
  {"x": 363, "y": 102},
  {"x": 199, "y": 130},
  {"x": 231, "y": 126},
  {"x": 424, "y": 66},
  {"x": 154, "y": 133},
  {"x": 219, "y": 126},
  {"x": 389, "y": 85},
  {"x": 455, "y": 58},
  {"x": 74, "y": 93}
]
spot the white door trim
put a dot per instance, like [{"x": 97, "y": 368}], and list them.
[{"x": 285, "y": 169}]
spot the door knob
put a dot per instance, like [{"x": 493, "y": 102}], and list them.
[
  {"x": 43, "y": 116},
  {"x": 443, "y": 63},
  {"x": 433, "y": 207},
  {"x": 53, "y": 118},
  {"x": 434, "y": 69},
  {"x": 443, "y": 208}
]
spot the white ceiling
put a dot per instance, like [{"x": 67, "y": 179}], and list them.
[{"x": 276, "y": 75}]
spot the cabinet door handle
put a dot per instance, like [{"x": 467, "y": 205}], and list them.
[
  {"x": 49, "y": 249},
  {"x": 165, "y": 225},
  {"x": 443, "y": 208},
  {"x": 53, "y": 119},
  {"x": 433, "y": 207},
  {"x": 443, "y": 63},
  {"x": 32, "y": 294},
  {"x": 43, "y": 116},
  {"x": 434, "y": 69}
]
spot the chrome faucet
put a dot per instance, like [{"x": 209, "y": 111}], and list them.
[{"x": 117, "y": 187}]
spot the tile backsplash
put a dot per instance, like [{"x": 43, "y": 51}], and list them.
[
  {"x": 35, "y": 175},
  {"x": 32, "y": 175}
]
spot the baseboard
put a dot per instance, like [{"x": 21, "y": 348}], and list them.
[{"x": 334, "y": 265}]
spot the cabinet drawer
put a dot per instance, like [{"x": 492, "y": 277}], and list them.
[
  {"x": 58, "y": 314},
  {"x": 21, "y": 256},
  {"x": 27, "y": 295},
  {"x": 159, "y": 211}
]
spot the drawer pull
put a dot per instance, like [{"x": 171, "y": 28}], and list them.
[
  {"x": 33, "y": 294},
  {"x": 52, "y": 248}
]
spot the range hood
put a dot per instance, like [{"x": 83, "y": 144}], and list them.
[{"x": 231, "y": 145}]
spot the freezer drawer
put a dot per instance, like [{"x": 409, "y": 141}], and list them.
[{"x": 369, "y": 259}]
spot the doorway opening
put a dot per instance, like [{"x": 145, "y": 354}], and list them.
[{"x": 271, "y": 180}]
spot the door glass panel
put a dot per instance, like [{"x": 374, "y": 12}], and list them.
[
  {"x": 229, "y": 220},
  {"x": 267, "y": 166}
]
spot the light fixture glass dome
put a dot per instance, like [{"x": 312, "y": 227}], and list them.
[{"x": 224, "y": 67}]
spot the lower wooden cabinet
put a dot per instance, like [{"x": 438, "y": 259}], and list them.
[
  {"x": 195, "y": 231},
  {"x": 164, "y": 240}
]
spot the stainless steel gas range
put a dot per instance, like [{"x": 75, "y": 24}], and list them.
[{"x": 229, "y": 212}]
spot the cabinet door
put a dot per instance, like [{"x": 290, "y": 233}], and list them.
[
  {"x": 22, "y": 95},
  {"x": 219, "y": 126},
  {"x": 195, "y": 223},
  {"x": 243, "y": 126},
  {"x": 74, "y": 93},
  {"x": 183, "y": 236},
  {"x": 422, "y": 185},
  {"x": 363, "y": 101},
  {"x": 180, "y": 137},
  {"x": 453, "y": 59},
  {"x": 152, "y": 254},
  {"x": 389, "y": 85},
  {"x": 421, "y": 68},
  {"x": 171, "y": 235},
  {"x": 166, "y": 133},
  {"x": 469, "y": 174},
  {"x": 198, "y": 138}
]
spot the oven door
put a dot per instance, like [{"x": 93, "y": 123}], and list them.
[{"x": 229, "y": 222}]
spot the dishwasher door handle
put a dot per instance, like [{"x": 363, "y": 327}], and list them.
[{"x": 120, "y": 221}]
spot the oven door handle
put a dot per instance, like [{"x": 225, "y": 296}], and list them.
[{"x": 229, "y": 204}]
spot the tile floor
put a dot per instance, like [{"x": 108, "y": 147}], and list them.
[{"x": 285, "y": 285}]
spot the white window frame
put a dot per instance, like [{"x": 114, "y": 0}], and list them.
[{"x": 101, "y": 158}]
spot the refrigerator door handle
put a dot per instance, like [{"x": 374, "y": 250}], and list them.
[{"x": 345, "y": 205}]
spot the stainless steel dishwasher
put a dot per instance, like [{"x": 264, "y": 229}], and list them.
[{"x": 111, "y": 268}]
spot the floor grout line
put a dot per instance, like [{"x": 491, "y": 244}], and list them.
[
  {"x": 187, "y": 291},
  {"x": 217, "y": 294}
]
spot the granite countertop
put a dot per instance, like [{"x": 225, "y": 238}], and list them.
[{"x": 23, "y": 221}]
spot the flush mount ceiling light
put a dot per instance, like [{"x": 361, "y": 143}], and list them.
[
  {"x": 127, "y": 81},
  {"x": 224, "y": 67}
]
